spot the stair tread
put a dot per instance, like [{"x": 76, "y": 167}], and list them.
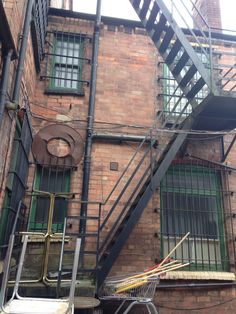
[
  {"x": 135, "y": 3},
  {"x": 152, "y": 18},
  {"x": 144, "y": 9},
  {"x": 196, "y": 88},
  {"x": 188, "y": 76},
  {"x": 166, "y": 40},
  {"x": 159, "y": 28},
  {"x": 173, "y": 52},
  {"x": 180, "y": 64}
]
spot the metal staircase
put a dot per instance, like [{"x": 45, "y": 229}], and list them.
[
  {"x": 175, "y": 48},
  {"x": 200, "y": 83},
  {"x": 144, "y": 180}
]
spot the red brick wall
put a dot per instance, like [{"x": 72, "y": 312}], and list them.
[
  {"x": 199, "y": 300},
  {"x": 210, "y": 10},
  {"x": 15, "y": 11},
  {"x": 125, "y": 104}
]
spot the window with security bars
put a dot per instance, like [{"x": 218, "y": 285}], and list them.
[
  {"x": 16, "y": 180},
  {"x": 53, "y": 180},
  {"x": 191, "y": 202},
  {"x": 66, "y": 61},
  {"x": 174, "y": 101}
]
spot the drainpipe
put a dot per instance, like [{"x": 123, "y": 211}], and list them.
[
  {"x": 120, "y": 138},
  {"x": 4, "y": 82},
  {"x": 22, "y": 53},
  {"x": 90, "y": 121}
]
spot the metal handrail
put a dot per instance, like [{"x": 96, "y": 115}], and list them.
[
  {"x": 200, "y": 14},
  {"x": 125, "y": 170},
  {"x": 124, "y": 188},
  {"x": 121, "y": 214},
  {"x": 191, "y": 31}
]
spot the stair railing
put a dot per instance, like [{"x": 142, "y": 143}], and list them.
[
  {"x": 182, "y": 12},
  {"x": 127, "y": 186},
  {"x": 224, "y": 61}
]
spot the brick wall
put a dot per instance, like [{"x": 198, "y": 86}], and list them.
[
  {"x": 210, "y": 10},
  {"x": 200, "y": 300},
  {"x": 15, "y": 11},
  {"x": 125, "y": 104}
]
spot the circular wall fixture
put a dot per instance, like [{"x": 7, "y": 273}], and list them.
[{"x": 58, "y": 145}]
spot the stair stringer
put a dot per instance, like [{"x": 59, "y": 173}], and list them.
[{"x": 165, "y": 162}]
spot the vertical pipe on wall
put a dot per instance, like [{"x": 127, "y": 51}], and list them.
[
  {"x": 4, "y": 83},
  {"x": 22, "y": 53},
  {"x": 90, "y": 121}
]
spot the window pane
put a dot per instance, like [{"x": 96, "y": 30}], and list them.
[
  {"x": 54, "y": 182},
  {"x": 66, "y": 77},
  {"x": 67, "y": 65},
  {"x": 184, "y": 213},
  {"x": 190, "y": 202},
  {"x": 193, "y": 180}
]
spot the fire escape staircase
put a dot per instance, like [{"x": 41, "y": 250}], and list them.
[{"x": 193, "y": 79}]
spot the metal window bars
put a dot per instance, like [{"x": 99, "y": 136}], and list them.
[
  {"x": 65, "y": 60},
  {"x": 39, "y": 26},
  {"x": 16, "y": 184},
  {"x": 193, "y": 199}
]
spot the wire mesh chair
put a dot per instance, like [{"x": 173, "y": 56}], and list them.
[{"x": 135, "y": 291}]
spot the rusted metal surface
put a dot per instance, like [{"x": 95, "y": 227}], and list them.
[{"x": 65, "y": 133}]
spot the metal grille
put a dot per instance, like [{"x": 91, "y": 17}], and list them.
[
  {"x": 39, "y": 27},
  {"x": 65, "y": 61},
  {"x": 191, "y": 201},
  {"x": 16, "y": 181},
  {"x": 54, "y": 180}
]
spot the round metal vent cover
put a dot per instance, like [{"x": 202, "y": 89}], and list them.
[{"x": 58, "y": 145}]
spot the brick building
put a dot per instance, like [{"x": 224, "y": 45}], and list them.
[{"x": 127, "y": 129}]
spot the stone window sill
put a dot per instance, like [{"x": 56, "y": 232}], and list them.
[
  {"x": 51, "y": 91},
  {"x": 199, "y": 275}
]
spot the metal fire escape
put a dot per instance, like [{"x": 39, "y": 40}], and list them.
[{"x": 209, "y": 91}]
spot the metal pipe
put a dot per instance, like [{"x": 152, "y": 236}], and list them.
[
  {"x": 89, "y": 139},
  {"x": 20, "y": 267},
  {"x": 61, "y": 258},
  {"x": 22, "y": 53},
  {"x": 4, "y": 82},
  {"x": 120, "y": 138},
  {"x": 6, "y": 270},
  {"x": 74, "y": 273}
]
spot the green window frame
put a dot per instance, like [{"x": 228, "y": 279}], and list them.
[
  {"x": 191, "y": 202},
  {"x": 67, "y": 63},
  {"x": 49, "y": 179}
]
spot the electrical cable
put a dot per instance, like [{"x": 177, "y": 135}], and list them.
[{"x": 119, "y": 125}]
